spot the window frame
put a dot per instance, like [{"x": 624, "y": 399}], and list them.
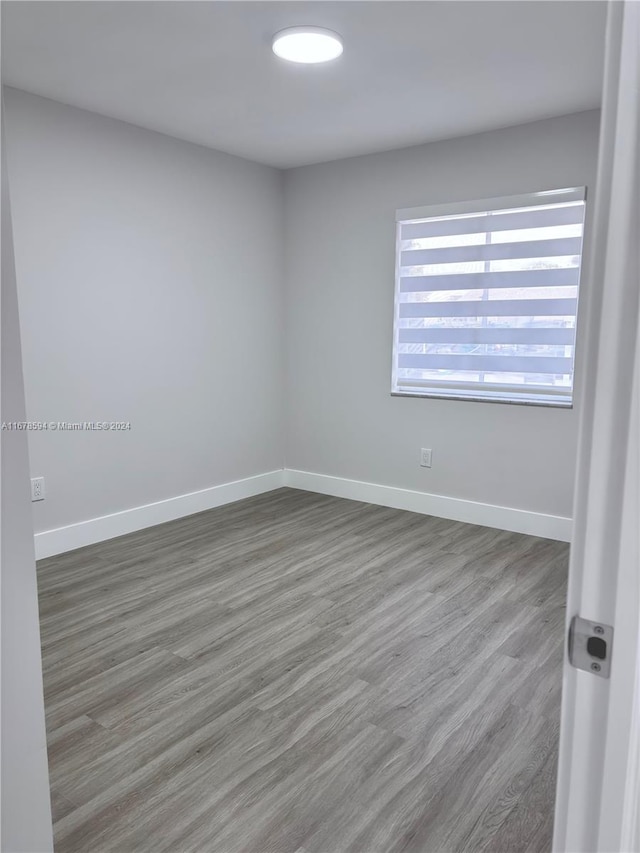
[{"x": 560, "y": 398}]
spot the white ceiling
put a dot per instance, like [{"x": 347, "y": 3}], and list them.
[{"x": 411, "y": 72}]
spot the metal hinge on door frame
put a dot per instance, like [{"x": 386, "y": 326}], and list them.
[{"x": 590, "y": 646}]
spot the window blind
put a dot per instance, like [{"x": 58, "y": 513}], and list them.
[{"x": 487, "y": 297}]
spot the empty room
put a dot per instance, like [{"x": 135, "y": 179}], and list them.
[{"x": 320, "y": 427}]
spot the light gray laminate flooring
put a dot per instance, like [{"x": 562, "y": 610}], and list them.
[{"x": 296, "y": 673}]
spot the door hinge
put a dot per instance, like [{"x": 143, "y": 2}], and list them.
[{"x": 590, "y": 646}]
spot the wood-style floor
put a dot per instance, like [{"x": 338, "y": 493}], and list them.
[{"x": 296, "y": 673}]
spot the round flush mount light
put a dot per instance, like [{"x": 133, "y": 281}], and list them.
[{"x": 307, "y": 44}]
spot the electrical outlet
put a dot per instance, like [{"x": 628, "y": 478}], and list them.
[
  {"x": 37, "y": 488},
  {"x": 425, "y": 457}
]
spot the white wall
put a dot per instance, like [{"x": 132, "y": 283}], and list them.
[
  {"x": 339, "y": 262},
  {"x": 150, "y": 286},
  {"x": 26, "y": 810}
]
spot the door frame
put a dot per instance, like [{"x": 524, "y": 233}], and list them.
[{"x": 598, "y": 790}]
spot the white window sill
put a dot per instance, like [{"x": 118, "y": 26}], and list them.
[{"x": 468, "y": 398}]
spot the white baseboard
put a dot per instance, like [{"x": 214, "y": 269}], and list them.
[
  {"x": 61, "y": 539},
  {"x": 457, "y": 509}
]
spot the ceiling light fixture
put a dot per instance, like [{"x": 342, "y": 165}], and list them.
[{"x": 307, "y": 44}]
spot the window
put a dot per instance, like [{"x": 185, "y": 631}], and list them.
[{"x": 486, "y": 298}]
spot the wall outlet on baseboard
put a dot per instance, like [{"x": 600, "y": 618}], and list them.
[
  {"x": 37, "y": 488},
  {"x": 425, "y": 457}
]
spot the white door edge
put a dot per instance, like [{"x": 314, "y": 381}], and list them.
[{"x": 599, "y": 765}]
